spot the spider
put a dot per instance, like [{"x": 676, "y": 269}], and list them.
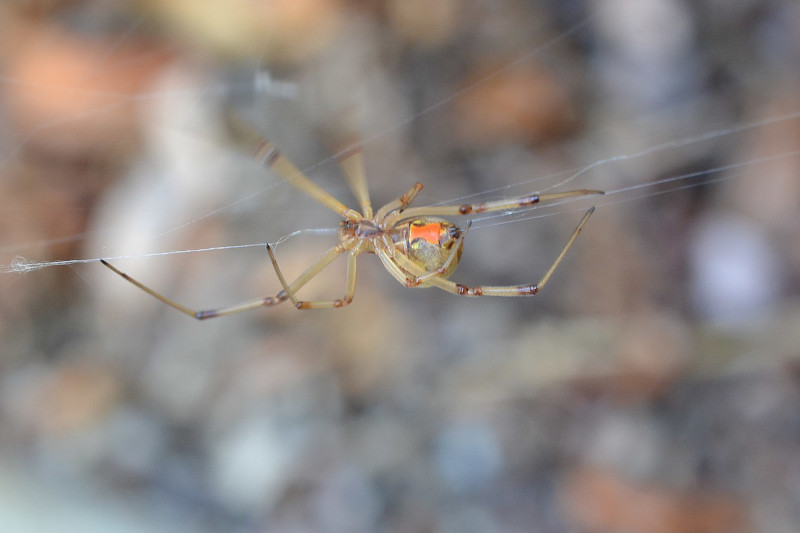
[{"x": 415, "y": 246}]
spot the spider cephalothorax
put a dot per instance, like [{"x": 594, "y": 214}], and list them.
[{"x": 416, "y": 247}]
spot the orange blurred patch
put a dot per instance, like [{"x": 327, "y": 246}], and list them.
[
  {"x": 74, "y": 397},
  {"x": 602, "y": 501},
  {"x": 521, "y": 104},
  {"x": 73, "y": 94}
]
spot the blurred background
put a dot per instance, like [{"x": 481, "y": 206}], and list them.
[{"x": 653, "y": 386}]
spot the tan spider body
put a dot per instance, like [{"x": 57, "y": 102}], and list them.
[
  {"x": 415, "y": 245},
  {"x": 434, "y": 244}
]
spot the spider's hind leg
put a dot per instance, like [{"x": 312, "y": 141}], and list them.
[
  {"x": 325, "y": 260},
  {"x": 204, "y": 314}
]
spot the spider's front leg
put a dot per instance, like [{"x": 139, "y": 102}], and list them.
[
  {"x": 396, "y": 207},
  {"x": 510, "y": 204},
  {"x": 404, "y": 263}
]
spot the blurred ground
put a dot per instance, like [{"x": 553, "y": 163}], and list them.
[{"x": 654, "y": 385}]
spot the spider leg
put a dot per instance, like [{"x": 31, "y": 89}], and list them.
[
  {"x": 270, "y": 157},
  {"x": 151, "y": 292},
  {"x": 400, "y": 204},
  {"x": 350, "y": 157},
  {"x": 286, "y": 288},
  {"x": 349, "y": 290},
  {"x": 324, "y": 260},
  {"x": 406, "y": 264},
  {"x": 497, "y": 205},
  {"x": 391, "y": 266}
]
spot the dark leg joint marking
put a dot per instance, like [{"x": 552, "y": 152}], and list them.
[
  {"x": 202, "y": 315},
  {"x": 342, "y": 302},
  {"x": 528, "y": 290},
  {"x": 472, "y": 208},
  {"x": 530, "y": 200},
  {"x": 463, "y": 290},
  {"x": 267, "y": 154}
]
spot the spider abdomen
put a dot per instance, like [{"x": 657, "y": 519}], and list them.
[{"x": 429, "y": 243}]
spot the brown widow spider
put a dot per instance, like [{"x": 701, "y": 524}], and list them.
[{"x": 415, "y": 246}]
